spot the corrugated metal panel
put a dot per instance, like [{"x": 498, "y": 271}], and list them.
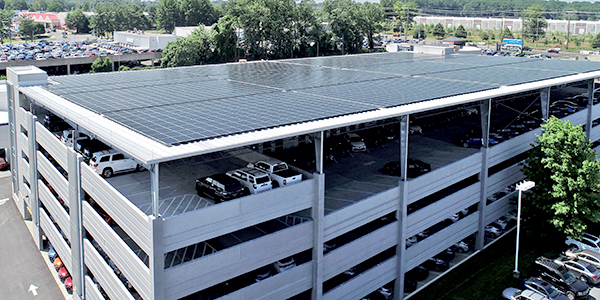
[
  {"x": 233, "y": 215},
  {"x": 366, "y": 282},
  {"x": 54, "y": 178},
  {"x": 91, "y": 290},
  {"x": 128, "y": 262},
  {"x": 129, "y": 217},
  {"x": 105, "y": 275},
  {"x": 49, "y": 141},
  {"x": 58, "y": 213},
  {"x": 58, "y": 242}
]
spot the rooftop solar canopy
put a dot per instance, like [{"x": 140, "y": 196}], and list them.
[{"x": 181, "y": 105}]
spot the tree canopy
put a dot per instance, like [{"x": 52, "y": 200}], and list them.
[
  {"x": 535, "y": 22},
  {"x": 78, "y": 21},
  {"x": 192, "y": 50},
  {"x": 439, "y": 31},
  {"x": 566, "y": 171},
  {"x": 101, "y": 65},
  {"x": 461, "y": 32}
]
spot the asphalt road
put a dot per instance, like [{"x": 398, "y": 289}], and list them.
[{"x": 21, "y": 264}]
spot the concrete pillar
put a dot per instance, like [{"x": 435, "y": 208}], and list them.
[
  {"x": 545, "y": 98},
  {"x": 485, "y": 108},
  {"x": 590, "y": 106},
  {"x": 15, "y": 77},
  {"x": 318, "y": 216},
  {"x": 34, "y": 200},
  {"x": 154, "y": 186},
  {"x": 157, "y": 259},
  {"x": 402, "y": 210},
  {"x": 75, "y": 196},
  {"x": 68, "y": 69}
]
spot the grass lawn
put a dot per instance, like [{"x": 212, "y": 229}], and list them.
[{"x": 489, "y": 272}]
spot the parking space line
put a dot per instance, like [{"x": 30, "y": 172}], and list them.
[
  {"x": 339, "y": 199},
  {"x": 189, "y": 203},
  {"x": 350, "y": 190}
]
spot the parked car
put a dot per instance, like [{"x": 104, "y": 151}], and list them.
[
  {"x": 411, "y": 241},
  {"x": 63, "y": 273},
  {"x": 583, "y": 270},
  {"x": 560, "y": 277},
  {"x": 410, "y": 285},
  {"x": 587, "y": 241},
  {"x": 264, "y": 273},
  {"x": 436, "y": 264},
  {"x": 284, "y": 264},
  {"x": 554, "y": 50},
  {"x": 414, "y": 168},
  {"x": 476, "y": 142},
  {"x": 67, "y": 137},
  {"x": 279, "y": 172},
  {"x": 254, "y": 180},
  {"x": 418, "y": 273},
  {"x": 4, "y": 165},
  {"x": 542, "y": 287},
  {"x": 446, "y": 255},
  {"x": 350, "y": 272},
  {"x": 492, "y": 231},
  {"x": 219, "y": 187},
  {"x": 356, "y": 142},
  {"x": 516, "y": 294},
  {"x": 69, "y": 284},
  {"x": 109, "y": 162},
  {"x": 52, "y": 253},
  {"x": 58, "y": 263},
  {"x": 460, "y": 247},
  {"x": 386, "y": 291},
  {"x": 89, "y": 147},
  {"x": 587, "y": 255},
  {"x": 55, "y": 123}
]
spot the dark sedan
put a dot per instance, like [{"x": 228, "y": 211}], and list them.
[{"x": 415, "y": 168}]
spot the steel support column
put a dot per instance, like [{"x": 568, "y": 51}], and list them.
[
  {"x": 545, "y": 98},
  {"x": 75, "y": 195},
  {"x": 590, "y": 105},
  {"x": 154, "y": 185},
  {"x": 318, "y": 216},
  {"x": 319, "y": 140},
  {"x": 485, "y": 108},
  {"x": 402, "y": 209}
]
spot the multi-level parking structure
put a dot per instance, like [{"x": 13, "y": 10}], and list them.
[{"x": 190, "y": 122}]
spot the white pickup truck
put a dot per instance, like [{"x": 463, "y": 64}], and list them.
[{"x": 279, "y": 171}]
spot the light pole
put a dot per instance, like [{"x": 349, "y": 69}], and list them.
[{"x": 521, "y": 187}]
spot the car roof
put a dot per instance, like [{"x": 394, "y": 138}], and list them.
[
  {"x": 104, "y": 152},
  {"x": 533, "y": 295},
  {"x": 253, "y": 172},
  {"x": 221, "y": 178}
]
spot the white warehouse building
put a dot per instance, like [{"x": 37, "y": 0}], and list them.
[{"x": 152, "y": 228}]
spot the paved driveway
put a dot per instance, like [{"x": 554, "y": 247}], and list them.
[{"x": 20, "y": 261}]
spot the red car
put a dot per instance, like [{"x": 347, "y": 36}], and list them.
[
  {"x": 3, "y": 164},
  {"x": 554, "y": 50},
  {"x": 69, "y": 284},
  {"x": 63, "y": 273}
]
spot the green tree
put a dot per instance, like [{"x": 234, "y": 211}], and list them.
[
  {"x": 439, "y": 30},
  {"x": 419, "y": 32},
  {"x": 405, "y": 13},
  {"x": 78, "y": 21},
  {"x": 484, "y": 35},
  {"x": 167, "y": 14},
  {"x": 27, "y": 28},
  {"x": 535, "y": 22},
  {"x": 55, "y": 6},
  {"x": 596, "y": 41},
  {"x": 192, "y": 50},
  {"x": 341, "y": 16},
  {"x": 461, "y": 32},
  {"x": 268, "y": 26},
  {"x": 194, "y": 12},
  {"x": 223, "y": 39},
  {"x": 506, "y": 34},
  {"x": 370, "y": 20},
  {"x": 566, "y": 171},
  {"x": 39, "y": 5},
  {"x": 101, "y": 65},
  {"x": 16, "y": 5},
  {"x": 103, "y": 19},
  {"x": 5, "y": 21}
]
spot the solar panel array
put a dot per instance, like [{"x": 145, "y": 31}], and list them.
[{"x": 180, "y": 105}]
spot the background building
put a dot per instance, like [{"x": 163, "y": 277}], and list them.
[{"x": 142, "y": 40}]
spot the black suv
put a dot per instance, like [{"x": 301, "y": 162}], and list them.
[
  {"x": 559, "y": 277},
  {"x": 54, "y": 123},
  {"x": 219, "y": 187}
]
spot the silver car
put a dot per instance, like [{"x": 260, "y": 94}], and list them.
[
  {"x": 585, "y": 271},
  {"x": 586, "y": 255}
]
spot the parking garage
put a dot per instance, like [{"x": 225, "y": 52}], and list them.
[{"x": 346, "y": 225}]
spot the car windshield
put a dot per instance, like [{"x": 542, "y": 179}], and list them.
[
  {"x": 552, "y": 291},
  {"x": 569, "y": 278},
  {"x": 355, "y": 139},
  {"x": 263, "y": 179},
  {"x": 232, "y": 186}
]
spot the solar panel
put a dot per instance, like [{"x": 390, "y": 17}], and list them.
[{"x": 180, "y": 105}]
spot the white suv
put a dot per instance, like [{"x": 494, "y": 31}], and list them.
[
  {"x": 255, "y": 180},
  {"x": 67, "y": 137},
  {"x": 109, "y": 162}
]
